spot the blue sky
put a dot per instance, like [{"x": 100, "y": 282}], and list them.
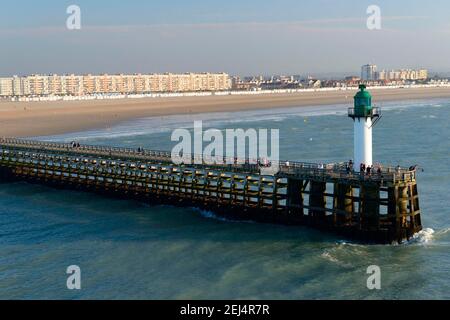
[{"x": 239, "y": 37}]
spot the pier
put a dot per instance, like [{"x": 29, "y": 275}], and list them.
[{"x": 377, "y": 208}]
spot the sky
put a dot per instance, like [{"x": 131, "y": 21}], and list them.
[{"x": 240, "y": 37}]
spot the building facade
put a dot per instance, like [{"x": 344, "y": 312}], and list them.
[
  {"x": 402, "y": 75},
  {"x": 77, "y": 85},
  {"x": 6, "y": 87},
  {"x": 368, "y": 72}
]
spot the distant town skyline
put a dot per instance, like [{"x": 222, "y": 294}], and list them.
[
  {"x": 322, "y": 38},
  {"x": 77, "y": 85}
]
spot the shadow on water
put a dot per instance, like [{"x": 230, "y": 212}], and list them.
[{"x": 49, "y": 214}]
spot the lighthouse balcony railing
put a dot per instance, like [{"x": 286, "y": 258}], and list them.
[{"x": 375, "y": 112}]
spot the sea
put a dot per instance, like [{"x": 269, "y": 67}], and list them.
[{"x": 133, "y": 250}]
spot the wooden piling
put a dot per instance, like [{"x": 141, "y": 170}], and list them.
[{"x": 343, "y": 204}]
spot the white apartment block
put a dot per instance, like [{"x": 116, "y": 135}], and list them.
[
  {"x": 6, "y": 87},
  {"x": 404, "y": 74}
]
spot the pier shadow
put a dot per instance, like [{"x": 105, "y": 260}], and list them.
[{"x": 135, "y": 220}]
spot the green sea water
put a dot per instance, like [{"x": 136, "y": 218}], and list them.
[{"x": 131, "y": 250}]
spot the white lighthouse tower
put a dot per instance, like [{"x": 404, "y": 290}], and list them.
[{"x": 364, "y": 117}]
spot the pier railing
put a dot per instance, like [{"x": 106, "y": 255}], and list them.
[
  {"x": 386, "y": 174},
  {"x": 340, "y": 171}
]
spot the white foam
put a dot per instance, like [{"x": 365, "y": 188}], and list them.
[
  {"x": 429, "y": 117},
  {"x": 327, "y": 256},
  {"x": 443, "y": 231},
  {"x": 441, "y": 234},
  {"x": 153, "y": 125},
  {"x": 211, "y": 215},
  {"x": 423, "y": 237}
]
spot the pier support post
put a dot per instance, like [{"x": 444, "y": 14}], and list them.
[
  {"x": 295, "y": 197},
  {"x": 370, "y": 201},
  {"x": 6, "y": 174},
  {"x": 343, "y": 204},
  {"x": 317, "y": 201},
  {"x": 408, "y": 219},
  {"x": 398, "y": 211},
  {"x": 403, "y": 204},
  {"x": 393, "y": 212},
  {"x": 415, "y": 208}
]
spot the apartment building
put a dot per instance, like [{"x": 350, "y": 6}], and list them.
[
  {"x": 403, "y": 74},
  {"x": 6, "y": 87},
  {"x": 38, "y": 85},
  {"x": 56, "y": 85},
  {"x": 76, "y": 85},
  {"x": 73, "y": 85}
]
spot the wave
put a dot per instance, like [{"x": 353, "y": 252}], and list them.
[
  {"x": 346, "y": 256},
  {"x": 429, "y": 116},
  {"x": 327, "y": 256},
  {"x": 423, "y": 237},
  {"x": 350, "y": 243},
  {"x": 162, "y": 124},
  {"x": 428, "y": 236},
  {"x": 443, "y": 231},
  {"x": 152, "y": 125},
  {"x": 211, "y": 215}
]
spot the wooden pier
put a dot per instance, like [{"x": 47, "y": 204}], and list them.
[{"x": 378, "y": 208}]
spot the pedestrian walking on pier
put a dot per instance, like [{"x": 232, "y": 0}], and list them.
[{"x": 362, "y": 169}]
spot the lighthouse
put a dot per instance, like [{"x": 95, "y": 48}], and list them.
[{"x": 364, "y": 118}]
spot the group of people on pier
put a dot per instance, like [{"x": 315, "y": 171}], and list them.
[
  {"x": 75, "y": 144},
  {"x": 369, "y": 170},
  {"x": 364, "y": 169}
]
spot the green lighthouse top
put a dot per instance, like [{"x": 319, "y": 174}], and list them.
[
  {"x": 363, "y": 105},
  {"x": 363, "y": 102}
]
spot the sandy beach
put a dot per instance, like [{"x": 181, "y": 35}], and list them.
[{"x": 22, "y": 119}]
